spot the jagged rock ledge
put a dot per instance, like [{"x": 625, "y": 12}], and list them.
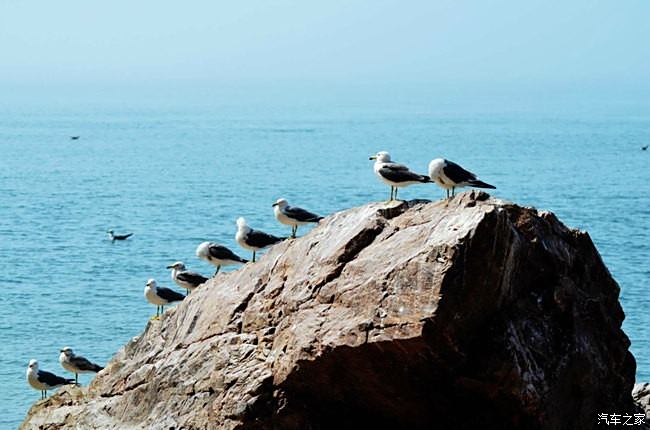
[{"x": 472, "y": 313}]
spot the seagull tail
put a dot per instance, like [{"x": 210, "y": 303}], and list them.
[
  {"x": 480, "y": 184},
  {"x": 425, "y": 179},
  {"x": 97, "y": 368},
  {"x": 70, "y": 381}
]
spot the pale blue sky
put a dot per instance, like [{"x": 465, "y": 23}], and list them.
[{"x": 499, "y": 41}]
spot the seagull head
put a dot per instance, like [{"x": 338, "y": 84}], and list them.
[
  {"x": 33, "y": 364},
  {"x": 381, "y": 156},
  {"x": 151, "y": 283},
  {"x": 241, "y": 224},
  {"x": 281, "y": 203},
  {"x": 110, "y": 232},
  {"x": 203, "y": 250},
  {"x": 178, "y": 266},
  {"x": 67, "y": 351}
]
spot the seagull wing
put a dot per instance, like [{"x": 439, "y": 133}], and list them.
[
  {"x": 259, "y": 239},
  {"x": 400, "y": 173},
  {"x": 456, "y": 173},
  {"x": 51, "y": 379},
  {"x": 169, "y": 294},
  {"x": 122, "y": 236},
  {"x": 301, "y": 214},
  {"x": 222, "y": 253},
  {"x": 83, "y": 363},
  {"x": 191, "y": 277}
]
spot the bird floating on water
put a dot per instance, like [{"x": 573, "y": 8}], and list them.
[
  {"x": 293, "y": 216},
  {"x": 112, "y": 236},
  {"x": 218, "y": 255},
  {"x": 74, "y": 137},
  {"x": 185, "y": 278},
  {"x": 42, "y": 380},
  {"x": 253, "y": 240},
  {"x": 394, "y": 174},
  {"x": 77, "y": 364},
  {"x": 644, "y": 148},
  {"x": 450, "y": 176},
  {"x": 160, "y": 296}
]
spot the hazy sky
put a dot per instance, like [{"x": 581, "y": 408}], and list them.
[{"x": 81, "y": 41}]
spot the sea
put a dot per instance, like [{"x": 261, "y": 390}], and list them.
[{"x": 177, "y": 168}]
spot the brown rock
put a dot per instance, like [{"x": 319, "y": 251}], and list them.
[{"x": 473, "y": 313}]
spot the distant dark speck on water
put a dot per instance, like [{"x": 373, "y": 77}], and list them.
[{"x": 644, "y": 148}]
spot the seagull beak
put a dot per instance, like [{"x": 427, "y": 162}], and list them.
[
  {"x": 170, "y": 267},
  {"x": 374, "y": 157},
  {"x": 274, "y": 204},
  {"x": 61, "y": 351}
]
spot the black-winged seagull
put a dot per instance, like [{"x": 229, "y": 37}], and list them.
[
  {"x": 185, "y": 278},
  {"x": 218, "y": 255},
  {"x": 112, "y": 236},
  {"x": 253, "y": 240},
  {"x": 394, "y": 174},
  {"x": 42, "y": 380},
  {"x": 293, "y": 216},
  {"x": 160, "y": 296},
  {"x": 450, "y": 176},
  {"x": 76, "y": 363}
]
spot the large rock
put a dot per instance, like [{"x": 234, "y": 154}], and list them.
[{"x": 473, "y": 313}]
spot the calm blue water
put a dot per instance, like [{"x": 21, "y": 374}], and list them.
[{"x": 176, "y": 174}]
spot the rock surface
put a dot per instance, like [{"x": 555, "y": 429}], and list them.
[{"x": 474, "y": 313}]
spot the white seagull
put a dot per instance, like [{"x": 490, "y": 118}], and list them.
[
  {"x": 394, "y": 174},
  {"x": 77, "y": 364},
  {"x": 218, "y": 255},
  {"x": 450, "y": 176},
  {"x": 42, "y": 380},
  {"x": 293, "y": 216},
  {"x": 160, "y": 296},
  {"x": 185, "y": 278},
  {"x": 253, "y": 240}
]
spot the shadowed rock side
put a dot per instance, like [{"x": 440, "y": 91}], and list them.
[{"x": 474, "y": 313}]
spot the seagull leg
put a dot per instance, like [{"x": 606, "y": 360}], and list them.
[
  {"x": 76, "y": 379},
  {"x": 215, "y": 273},
  {"x": 395, "y": 193},
  {"x": 293, "y": 231},
  {"x": 453, "y": 191},
  {"x": 253, "y": 256}
]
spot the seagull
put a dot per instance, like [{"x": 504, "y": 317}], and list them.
[
  {"x": 75, "y": 137},
  {"x": 76, "y": 364},
  {"x": 184, "y": 278},
  {"x": 293, "y": 216},
  {"x": 218, "y": 255},
  {"x": 450, "y": 176},
  {"x": 644, "y": 148},
  {"x": 42, "y": 380},
  {"x": 160, "y": 296},
  {"x": 253, "y": 240},
  {"x": 394, "y": 174},
  {"x": 112, "y": 236}
]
